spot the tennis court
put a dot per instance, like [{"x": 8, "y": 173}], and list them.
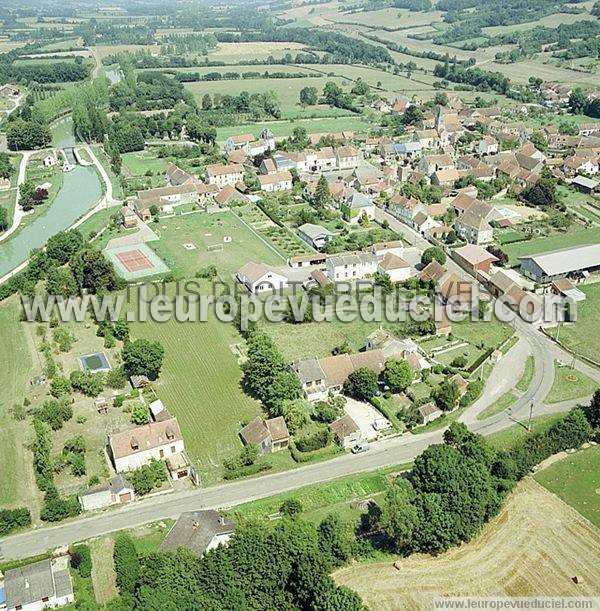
[{"x": 133, "y": 261}]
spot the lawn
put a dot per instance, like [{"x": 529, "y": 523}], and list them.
[
  {"x": 15, "y": 367},
  {"x": 200, "y": 383},
  {"x": 569, "y": 384},
  {"x": 509, "y": 437},
  {"x": 582, "y": 336},
  {"x": 140, "y": 162},
  {"x": 491, "y": 333},
  {"x": 500, "y": 405},
  {"x": 209, "y": 230},
  {"x": 576, "y": 480},
  {"x": 575, "y": 237}
]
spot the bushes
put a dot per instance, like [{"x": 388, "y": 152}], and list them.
[
  {"x": 13, "y": 519},
  {"x": 56, "y": 509},
  {"x": 81, "y": 560},
  {"x": 315, "y": 441},
  {"x": 303, "y": 457},
  {"x": 127, "y": 563},
  {"x": 88, "y": 383},
  {"x": 55, "y": 412},
  {"x": 148, "y": 477},
  {"x": 473, "y": 393}
]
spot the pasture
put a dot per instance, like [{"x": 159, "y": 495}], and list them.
[
  {"x": 576, "y": 480},
  {"x": 521, "y": 552},
  {"x": 581, "y": 337},
  {"x": 235, "y": 52},
  {"x": 200, "y": 384},
  {"x": 206, "y": 231}
]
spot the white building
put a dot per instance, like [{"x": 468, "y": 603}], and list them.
[
  {"x": 117, "y": 491},
  {"x": 237, "y": 142},
  {"x": 49, "y": 161},
  {"x": 279, "y": 181},
  {"x": 351, "y": 266},
  {"x": 347, "y": 157},
  {"x": 258, "y": 278},
  {"x": 41, "y": 585},
  {"x": 395, "y": 267},
  {"x": 222, "y": 175},
  {"x": 135, "y": 447}
]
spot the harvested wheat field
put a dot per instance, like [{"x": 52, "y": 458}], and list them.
[{"x": 533, "y": 548}]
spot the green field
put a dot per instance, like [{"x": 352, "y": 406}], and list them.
[
  {"x": 200, "y": 384},
  {"x": 354, "y": 123},
  {"x": 582, "y": 336},
  {"x": 208, "y": 230},
  {"x": 509, "y": 437},
  {"x": 140, "y": 162},
  {"x": 570, "y": 384},
  {"x": 576, "y": 480},
  {"x": 15, "y": 368},
  {"x": 574, "y": 237},
  {"x": 287, "y": 91}
]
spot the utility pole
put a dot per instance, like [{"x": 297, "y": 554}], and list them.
[{"x": 530, "y": 415}]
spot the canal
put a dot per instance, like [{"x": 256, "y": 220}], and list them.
[{"x": 80, "y": 192}]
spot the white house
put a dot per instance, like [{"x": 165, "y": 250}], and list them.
[
  {"x": 135, "y": 447},
  {"x": 221, "y": 175},
  {"x": 237, "y": 142},
  {"x": 41, "y": 585},
  {"x": 347, "y": 157},
  {"x": 49, "y": 161},
  {"x": 488, "y": 145},
  {"x": 258, "y": 277},
  {"x": 325, "y": 159},
  {"x": 356, "y": 207},
  {"x": 351, "y": 266},
  {"x": 396, "y": 268},
  {"x": 279, "y": 181}
]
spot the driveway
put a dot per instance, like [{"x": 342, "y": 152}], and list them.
[{"x": 364, "y": 414}]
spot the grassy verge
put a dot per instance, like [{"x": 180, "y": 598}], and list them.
[
  {"x": 569, "y": 384},
  {"x": 507, "y": 438},
  {"x": 502, "y": 404},
  {"x": 527, "y": 376}
]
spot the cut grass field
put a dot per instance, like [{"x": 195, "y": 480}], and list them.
[
  {"x": 569, "y": 384},
  {"x": 576, "y": 480},
  {"x": 200, "y": 384},
  {"x": 575, "y": 237},
  {"x": 582, "y": 336},
  {"x": 15, "y": 367},
  {"x": 103, "y": 573},
  {"x": 206, "y": 230},
  {"x": 533, "y": 547}
]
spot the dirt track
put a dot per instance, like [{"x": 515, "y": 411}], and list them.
[{"x": 533, "y": 548}]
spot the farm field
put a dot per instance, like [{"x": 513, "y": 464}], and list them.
[
  {"x": 504, "y": 560},
  {"x": 581, "y": 337},
  {"x": 232, "y": 52},
  {"x": 574, "y": 237},
  {"x": 208, "y": 230},
  {"x": 200, "y": 384},
  {"x": 140, "y": 162},
  {"x": 576, "y": 480}
]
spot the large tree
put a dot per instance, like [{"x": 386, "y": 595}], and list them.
[
  {"x": 143, "y": 357},
  {"x": 398, "y": 375},
  {"x": 361, "y": 384}
]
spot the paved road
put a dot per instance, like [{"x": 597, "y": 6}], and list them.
[{"x": 18, "y": 213}]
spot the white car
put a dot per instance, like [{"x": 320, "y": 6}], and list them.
[{"x": 382, "y": 424}]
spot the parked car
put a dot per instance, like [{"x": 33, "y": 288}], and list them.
[
  {"x": 363, "y": 446},
  {"x": 382, "y": 424}
]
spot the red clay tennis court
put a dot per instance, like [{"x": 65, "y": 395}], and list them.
[{"x": 134, "y": 260}]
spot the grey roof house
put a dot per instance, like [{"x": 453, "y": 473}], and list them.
[
  {"x": 39, "y": 585},
  {"x": 199, "y": 531},
  {"x": 315, "y": 235}
]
